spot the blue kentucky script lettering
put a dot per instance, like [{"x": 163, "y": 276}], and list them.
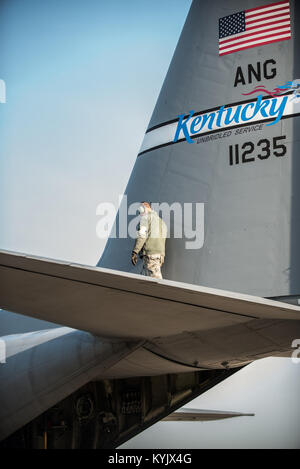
[{"x": 223, "y": 117}]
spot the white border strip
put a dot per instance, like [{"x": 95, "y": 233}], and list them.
[{"x": 165, "y": 134}]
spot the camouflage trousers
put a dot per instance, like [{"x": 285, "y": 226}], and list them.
[{"x": 152, "y": 265}]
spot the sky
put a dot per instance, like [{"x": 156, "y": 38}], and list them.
[{"x": 82, "y": 79}]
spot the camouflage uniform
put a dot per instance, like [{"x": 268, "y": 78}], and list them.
[
  {"x": 152, "y": 265},
  {"x": 151, "y": 240}
]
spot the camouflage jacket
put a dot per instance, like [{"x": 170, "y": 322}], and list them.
[{"x": 151, "y": 235}]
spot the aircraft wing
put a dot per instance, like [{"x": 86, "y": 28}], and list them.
[
  {"x": 202, "y": 415},
  {"x": 185, "y": 324}
]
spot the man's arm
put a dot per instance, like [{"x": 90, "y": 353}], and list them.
[{"x": 142, "y": 234}]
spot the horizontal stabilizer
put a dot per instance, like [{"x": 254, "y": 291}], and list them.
[
  {"x": 202, "y": 415},
  {"x": 122, "y": 305}
]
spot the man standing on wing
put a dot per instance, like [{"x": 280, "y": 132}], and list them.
[{"x": 150, "y": 241}]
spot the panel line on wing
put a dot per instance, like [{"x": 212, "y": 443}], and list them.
[{"x": 130, "y": 292}]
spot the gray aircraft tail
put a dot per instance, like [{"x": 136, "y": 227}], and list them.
[{"x": 225, "y": 133}]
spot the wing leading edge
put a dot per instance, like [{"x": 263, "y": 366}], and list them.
[{"x": 185, "y": 324}]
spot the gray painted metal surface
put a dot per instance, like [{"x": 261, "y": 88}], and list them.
[
  {"x": 186, "y": 325},
  {"x": 252, "y": 211},
  {"x": 118, "y": 305},
  {"x": 42, "y": 368},
  {"x": 202, "y": 415}
]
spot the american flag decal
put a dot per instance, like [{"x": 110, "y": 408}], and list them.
[{"x": 255, "y": 27}]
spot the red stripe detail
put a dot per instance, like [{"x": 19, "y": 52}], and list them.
[
  {"x": 261, "y": 38},
  {"x": 253, "y": 34},
  {"x": 263, "y": 19},
  {"x": 254, "y": 45},
  {"x": 269, "y": 24},
  {"x": 267, "y": 12},
  {"x": 262, "y": 89},
  {"x": 266, "y": 6}
]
